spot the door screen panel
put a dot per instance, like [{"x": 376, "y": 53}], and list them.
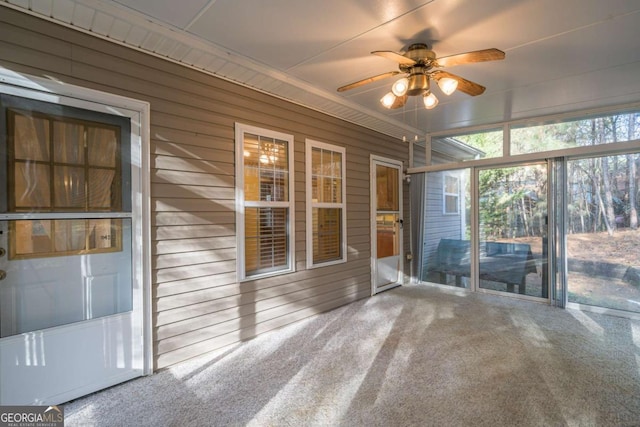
[
  {"x": 513, "y": 230},
  {"x": 602, "y": 235}
]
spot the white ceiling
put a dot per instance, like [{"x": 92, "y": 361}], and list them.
[{"x": 561, "y": 55}]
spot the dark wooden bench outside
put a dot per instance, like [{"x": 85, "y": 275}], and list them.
[{"x": 507, "y": 263}]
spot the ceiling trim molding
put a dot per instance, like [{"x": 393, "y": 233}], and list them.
[{"x": 120, "y": 25}]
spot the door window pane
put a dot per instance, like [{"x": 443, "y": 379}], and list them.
[
  {"x": 102, "y": 147},
  {"x": 68, "y": 142},
  {"x": 36, "y": 238},
  {"x": 388, "y": 229},
  {"x": 83, "y": 175},
  {"x": 30, "y": 136},
  {"x": 387, "y": 188},
  {"x": 31, "y": 186},
  {"x": 69, "y": 187},
  {"x": 101, "y": 188},
  {"x": 70, "y": 235}
]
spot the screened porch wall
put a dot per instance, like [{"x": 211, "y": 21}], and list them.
[{"x": 198, "y": 305}]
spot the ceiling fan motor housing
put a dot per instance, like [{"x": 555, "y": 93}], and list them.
[
  {"x": 418, "y": 81},
  {"x": 420, "y": 53}
]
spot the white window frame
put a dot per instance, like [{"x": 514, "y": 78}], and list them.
[
  {"x": 445, "y": 194},
  {"x": 240, "y": 130},
  {"x": 310, "y": 204}
]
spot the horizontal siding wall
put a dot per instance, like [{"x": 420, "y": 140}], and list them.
[{"x": 198, "y": 306}]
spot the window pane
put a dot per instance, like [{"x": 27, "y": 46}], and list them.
[
  {"x": 266, "y": 245},
  {"x": 102, "y": 144},
  {"x": 31, "y": 137},
  {"x": 451, "y": 204},
  {"x": 69, "y": 187},
  {"x": 336, "y": 160},
  {"x": 31, "y": 186},
  {"x": 266, "y": 176},
  {"x": 458, "y": 148},
  {"x": 68, "y": 142},
  {"x": 251, "y": 183},
  {"x": 327, "y": 233},
  {"x": 326, "y": 169},
  {"x": 316, "y": 161},
  {"x": 327, "y": 190},
  {"x": 251, "y": 150},
  {"x": 588, "y": 131},
  {"x": 451, "y": 185},
  {"x": 337, "y": 190}
]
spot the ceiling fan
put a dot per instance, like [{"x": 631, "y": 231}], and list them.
[{"x": 420, "y": 65}]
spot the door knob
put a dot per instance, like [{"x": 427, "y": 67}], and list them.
[
  {"x": 3, "y": 274},
  {"x": 2, "y": 252}
]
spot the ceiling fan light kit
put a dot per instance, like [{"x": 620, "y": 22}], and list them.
[
  {"x": 419, "y": 65},
  {"x": 400, "y": 87},
  {"x": 392, "y": 101},
  {"x": 430, "y": 101},
  {"x": 447, "y": 85}
]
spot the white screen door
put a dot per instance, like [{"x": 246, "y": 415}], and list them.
[
  {"x": 70, "y": 291},
  {"x": 386, "y": 223}
]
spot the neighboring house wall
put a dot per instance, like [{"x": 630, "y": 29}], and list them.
[
  {"x": 198, "y": 305},
  {"x": 437, "y": 224}
]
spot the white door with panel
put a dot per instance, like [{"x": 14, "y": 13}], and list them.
[
  {"x": 386, "y": 223},
  {"x": 70, "y": 291}
]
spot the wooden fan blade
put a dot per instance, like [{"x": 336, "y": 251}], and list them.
[
  {"x": 400, "y": 59},
  {"x": 464, "y": 85},
  {"x": 367, "y": 80},
  {"x": 469, "y": 57}
]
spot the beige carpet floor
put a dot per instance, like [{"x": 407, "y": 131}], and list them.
[{"x": 412, "y": 356}]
